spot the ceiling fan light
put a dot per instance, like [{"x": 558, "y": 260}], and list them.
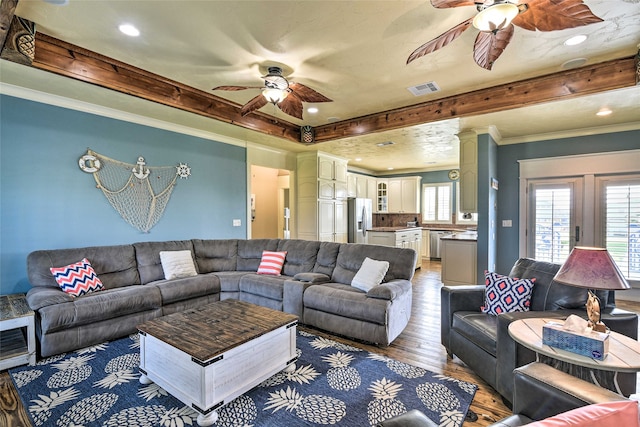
[
  {"x": 274, "y": 95},
  {"x": 495, "y": 17}
]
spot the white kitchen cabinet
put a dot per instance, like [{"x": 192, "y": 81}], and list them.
[
  {"x": 372, "y": 190},
  {"x": 404, "y": 195},
  {"x": 468, "y": 172},
  {"x": 382, "y": 194},
  {"x": 322, "y": 187},
  {"x": 425, "y": 244},
  {"x": 405, "y": 238},
  {"x": 459, "y": 263},
  {"x": 352, "y": 185}
]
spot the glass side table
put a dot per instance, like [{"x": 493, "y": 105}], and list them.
[{"x": 17, "y": 332}]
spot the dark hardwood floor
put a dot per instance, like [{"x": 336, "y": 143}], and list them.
[{"x": 419, "y": 344}]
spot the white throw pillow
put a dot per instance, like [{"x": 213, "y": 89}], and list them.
[
  {"x": 177, "y": 264},
  {"x": 370, "y": 274}
]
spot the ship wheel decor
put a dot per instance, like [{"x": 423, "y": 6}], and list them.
[{"x": 139, "y": 193}]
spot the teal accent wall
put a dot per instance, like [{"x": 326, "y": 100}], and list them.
[
  {"x": 508, "y": 176},
  {"x": 47, "y": 202},
  {"x": 487, "y": 206}
]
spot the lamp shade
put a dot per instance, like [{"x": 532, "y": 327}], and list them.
[
  {"x": 274, "y": 95},
  {"x": 591, "y": 268},
  {"x": 495, "y": 17}
]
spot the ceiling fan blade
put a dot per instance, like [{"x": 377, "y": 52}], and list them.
[
  {"x": 236, "y": 88},
  {"x": 551, "y": 15},
  {"x": 440, "y": 41},
  {"x": 489, "y": 46},
  {"x": 291, "y": 105},
  {"x": 307, "y": 94},
  {"x": 441, "y": 4},
  {"x": 255, "y": 103}
]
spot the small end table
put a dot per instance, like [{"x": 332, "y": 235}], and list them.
[
  {"x": 623, "y": 356},
  {"x": 17, "y": 332}
]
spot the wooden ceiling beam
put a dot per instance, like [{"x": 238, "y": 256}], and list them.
[
  {"x": 77, "y": 63},
  {"x": 605, "y": 76}
]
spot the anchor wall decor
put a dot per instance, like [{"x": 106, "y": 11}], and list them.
[{"x": 139, "y": 200}]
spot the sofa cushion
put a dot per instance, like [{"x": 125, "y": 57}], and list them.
[
  {"x": 479, "y": 328},
  {"x": 346, "y": 301},
  {"x": 99, "y": 306},
  {"x": 230, "y": 280},
  {"x": 301, "y": 255},
  {"x": 177, "y": 264},
  {"x": 115, "y": 265},
  {"x": 78, "y": 278},
  {"x": 215, "y": 255},
  {"x": 271, "y": 263},
  {"x": 351, "y": 256},
  {"x": 187, "y": 287},
  {"x": 609, "y": 414},
  {"x": 148, "y": 257},
  {"x": 504, "y": 294},
  {"x": 250, "y": 252},
  {"x": 370, "y": 274},
  {"x": 326, "y": 258},
  {"x": 266, "y": 286}
]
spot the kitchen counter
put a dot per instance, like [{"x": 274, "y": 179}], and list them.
[
  {"x": 472, "y": 237},
  {"x": 394, "y": 229}
]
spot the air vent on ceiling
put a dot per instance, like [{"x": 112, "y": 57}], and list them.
[
  {"x": 424, "y": 88},
  {"x": 382, "y": 144}
]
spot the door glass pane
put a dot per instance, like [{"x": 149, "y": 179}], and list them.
[
  {"x": 552, "y": 241},
  {"x": 622, "y": 227}
]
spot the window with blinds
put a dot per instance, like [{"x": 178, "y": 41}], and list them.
[
  {"x": 552, "y": 218},
  {"x": 621, "y": 228},
  {"x": 436, "y": 203}
]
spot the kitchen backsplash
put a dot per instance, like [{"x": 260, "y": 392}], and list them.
[{"x": 396, "y": 220}]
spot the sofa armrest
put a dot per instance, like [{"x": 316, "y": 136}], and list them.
[
  {"x": 541, "y": 391},
  {"x": 312, "y": 277},
  {"x": 510, "y": 354},
  {"x": 457, "y": 298},
  {"x": 41, "y": 296},
  {"x": 292, "y": 294},
  {"x": 390, "y": 290}
]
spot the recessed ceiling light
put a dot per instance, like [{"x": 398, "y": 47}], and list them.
[
  {"x": 312, "y": 110},
  {"x": 389, "y": 169},
  {"x": 129, "y": 30},
  {"x": 333, "y": 119},
  {"x": 358, "y": 159},
  {"x": 604, "y": 112},
  {"x": 575, "y": 40}
]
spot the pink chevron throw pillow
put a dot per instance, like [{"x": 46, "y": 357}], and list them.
[
  {"x": 272, "y": 262},
  {"x": 77, "y": 279}
]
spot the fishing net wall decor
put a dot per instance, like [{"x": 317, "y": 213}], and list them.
[{"x": 139, "y": 193}]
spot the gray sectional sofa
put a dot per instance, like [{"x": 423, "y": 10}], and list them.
[{"x": 314, "y": 285}]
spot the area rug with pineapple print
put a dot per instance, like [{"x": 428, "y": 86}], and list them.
[{"x": 333, "y": 384}]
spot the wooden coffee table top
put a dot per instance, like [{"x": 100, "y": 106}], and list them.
[{"x": 207, "y": 331}]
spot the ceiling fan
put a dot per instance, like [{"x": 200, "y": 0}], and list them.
[
  {"x": 495, "y": 20},
  {"x": 286, "y": 95}
]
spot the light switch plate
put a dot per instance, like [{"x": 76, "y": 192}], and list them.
[
  {"x": 507, "y": 223},
  {"x": 237, "y": 222}
]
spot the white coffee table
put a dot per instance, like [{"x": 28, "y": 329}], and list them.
[{"x": 208, "y": 356}]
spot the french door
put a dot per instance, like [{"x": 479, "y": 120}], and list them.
[{"x": 554, "y": 220}]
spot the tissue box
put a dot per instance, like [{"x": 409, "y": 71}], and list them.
[{"x": 594, "y": 344}]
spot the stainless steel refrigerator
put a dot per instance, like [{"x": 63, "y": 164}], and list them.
[{"x": 360, "y": 217}]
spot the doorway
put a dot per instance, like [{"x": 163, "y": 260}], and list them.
[{"x": 269, "y": 198}]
